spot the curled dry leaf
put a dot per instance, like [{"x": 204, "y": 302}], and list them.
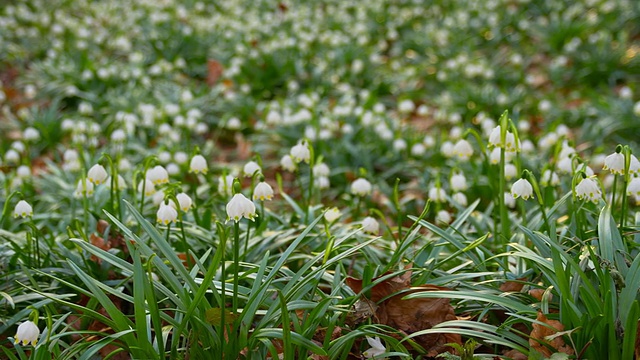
[
  {"x": 542, "y": 339},
  {"x": 411, "y": 315}
]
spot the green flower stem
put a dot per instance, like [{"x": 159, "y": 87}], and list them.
[
  {"x": 184, "y": 240},
  {"x": 504, "y": 219},
  {"x": 236, "y": 264},
  {"x": 223, "y": 297},
  {"x": 613, "y": 191}
]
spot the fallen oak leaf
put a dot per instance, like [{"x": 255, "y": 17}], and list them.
[{"x": 543, "y": 336}]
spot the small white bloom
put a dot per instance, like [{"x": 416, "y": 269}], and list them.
[
  {"x": 166, "y": 214},
  {"x": 22, "y": 209},
  {"x": 158, "y": 175},
  {"x": 198, "y": 164},
  {"x": 588, "y": 189},
  {"x": 332, "y": 214},
  {"x": 31, "y": 134},
  {"x": 399, "y": 144},
  {"x": 509, "y": 200},
  {"x": 460, "y": 199},
  {"x": 263, "y": 191},
  {"x": 124, "y": 165},
  {"x": 12, "y": 156},
  {"x": 300, "y": 152},
  {"x": 225, "y": 184},
  {"x": 23, "y": 171},
  {"x": 28, "y": 333},
  {"x": 361, "y": 187},
  {"x": 549, "y": 178},
  {"x": 239, "y": 207},
  {"x": 321, "y": 169},
  {"x": 565, "y": 165},
  {"x": 287, "y": 163},
  {"x": 429, "y": 141},
  {"x": 181, "y": 157},
  {"x": 418, "y": 149},
  {"x": 437, "y": 194},
  {"x": 370, "y": 225},
  {"x": 614, "y": 163},
  {"x": 510, "y": 140},
  {"x": 234, "y": 124},
  {"x": 321, "y": 182},
  {"x": 120, "y": 182},
  {"x": 458, "y": 182},
  {"x": 510, "y": 171},
  {"x": 376, "y": 349},
  {"x": 463, "y": 150},
  {"x": 443, "y": 216},
  {"x": 97, "y": 174},
  {"x": 522, "y": 188},
  {"x": 84, "y": 188},
  {"x": 147, "y": 186},
  {"x": 634, "y": 165},
  {"x": 633, "y": 188},
  {"x": 250, "y": 168},
  {"x": 184, "y": 201},
  {"x": 447, "y": 149},
  {"x": 406, "y": 106}
]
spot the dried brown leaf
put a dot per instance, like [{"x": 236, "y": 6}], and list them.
[
  {"x": 214, "y": 71},
  {"x": 542, "y": 339},
  {"x": 512, "y": 286}
]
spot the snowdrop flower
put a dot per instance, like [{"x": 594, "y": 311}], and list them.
[
  {"x": 23, "y": 171},
  {"x": 120, "y": 183},
  {"x": 321, "y": 169},
  {"x": 370, "y": 225},
  {"x": 633, "y": 188},
  {"x": 376, "y": 349},
  {"x": 147, "y": 187},
  {"x": 22, "y": 209},
  {"x": 437, "y": 194},
  {"x": 527, "y": 146},
  {"x": 158, "y": 175},
  {"x": 447, "y": 149},
  {"x": 509, "y": 200},
  {"x": 240, "y": 207},
  {"x": 460, "y": 199},
  {"x": 31, "y": 134},
  {"x": 406, "y": 106},
  {"x": 418, "y": 149},
  {"x": 458, "y": 182},
  {"x": 510, "y": 171},
  {"x": 443, "y": 216},
  {"x": 225, "y": 184},
  {"x": 11, "y": 156},
  {"x": 614, "y": 163},
  {"x": 549, "y": 178},
  {"x": 166, "y": 214},
  {"x": 234, "y": 124},
  {"x": 361, "y": 187},
  {"x": 300, "y": 152},
  {"x": 399, "y": 144},
  {"x": 495, "y": 139},
  {"x": 588, "y": 189},
  {"x": 181, "y": 157},
  {"x": 287, "y": 163},
  {"x": 97, "y": 174},
  {"x": 263, "y": 191},
  {"x": 634, "y": 165},
  {"x": 332, "y": 214},
  {"x": 565, "y": 165},
  {"x": 27, "y": 333},
  {"x": 321, "y": 182},
  {"x": 184, "y": 201},
  {"x": 463, "y": 150},
  {"x": 198, "y": 165},
  {"x": 429, "y": 141},
  {"x": 522, "y": 188},
  {"x": 250, "y": 168},
  {"x": 84, "y": 188}
]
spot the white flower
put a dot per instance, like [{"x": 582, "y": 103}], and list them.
[
  {"x": 588, "y": 189},
  {"x": 549, "y": 178},
  {"x": 287, "y": 163},
  {"x": 158, "y": 175},
  {"x": 147, "y": 186},
  {"x": 31, "y": 134},
  {"x": 250, "y": 168},
  {"x": 181, "y": 157},
  {"x": 120, "y": 183},
  {"x": 565, "y": 165},
  {"x": 321, "y": 182},
  {"x": 437, "y": 194},
  {"x": 447, "y": 148},
  {"x": 406, "y": 106},
  {"x": 460, "y": 199},
  {"x": 22, "y": 209},
  {"x": 633, "y": 188},
  {"x": 458, "y": 182},
  {"x": 198, "y": 164},
  {"x": 495, "y": 139},
  {"x": 462, "y": 149},
  {"x": 614, "y": 163},
  {"x": 23, "y": 171},
  {"x": 300, "y": 152},
  {"x": 11, "y": 156},
  {"x": 634, "y": 165},
  {"x": 184, "y": 201},
  {"x": 509, "y": 200},
  {"x": 370, "y": 225},
  {"x": 27, "y": 333},
  {"x": 239, "y": 207},
  {"x": 166, "y": 214},
  {"x": 225, "y": 184},
  {"x": 118, "y": 135},
  {"x": 234, "y": 123},
  {"x": 522, "y": 188},
  {"x": 84, "y": 188},
  {"x": 321, "y": 169},
  {"x": 399, "y": 144},
  {"x": 173, "y": 169},
  {"x": 443, "y": 216},
  {"x": 263, "y": 191},
  {"x": 97, "y": 174},
  {"x": 510, "y": 171},
  {"x": 418, "y": 149},
  {"x": 332, "y": 214},
  {"x": 361, "y": 187},
  {"x": 376, "y": 349}
]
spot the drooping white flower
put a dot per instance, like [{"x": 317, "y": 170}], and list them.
[
  {"x": 27, "y": 333},
  {"x": 370, "y": 225},
  {"x": 522, "y": 188},
  {"x": 181, "y": 157},
  {"x": 31, "y": 134},
  {"x": 84, "y": 188},
  {"x": 460, "y": 199},
  {"x": 166, "y": 214},
  {"x": 158, "y": 175},
  {"x": 614, "y": 163},
  {"x": 634, "y": 165},
  {"x": 509, "y": 200},
  {"x": 120, "y": 183},
  {"x": 321, "y": 182},
  {"x": 399, "y": 144},
  {"x": 588, "y": 189},
  {"x": 565, "y": 165},
  {"x": 376, "y": 349},
  {"x": 198, "y": 164},
  {"x": 321, "y": 169},
  {"x": 263, "y": 191},
  {"x": 437, "y": 194},
  {"x": 406, "y": 106},
  {"x": 300, "y": 152},
  {"x": 332, "y": 214},
  {"x": 240, "y": 207},
  {"x": 463, "y": 150},
  {"x": 147, "y": 187},
  {"x": 418, "y": 149},
  {"x": 361, "y": 187},
  {"x": 23, "y": 171},
  {"x": 496, "y": 140},
  {"x": 97, "y": 174},
  {"x": 549, "y": 178},
  {"x": 250, "y": 168},
  {"x": 443, "y": 216},
  {"x": 184, "y": 201},
  {"x": 633, "y": 188},
  {"x": 510, "y": 171},
  {"x": 22, "y": 209},
  {"x": 287, "y": 163},
  {"x": 12, "y": 156},
  {"x": 458, "y": 182}
]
